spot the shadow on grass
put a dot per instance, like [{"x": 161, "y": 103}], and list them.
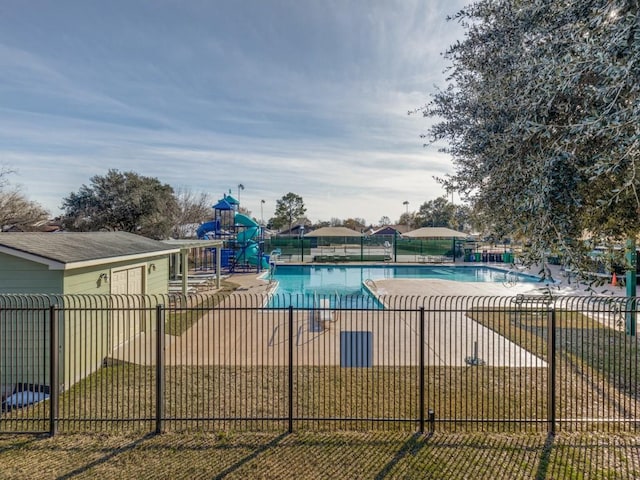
[
  {"x": 106, "y": 458},
  {"x": 302, "y": 455},
  {"x": 252, "y": 456},
  {"x": 410, "y": 447}
]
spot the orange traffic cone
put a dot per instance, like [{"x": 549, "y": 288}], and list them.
[{"x": 614, "y": 280}]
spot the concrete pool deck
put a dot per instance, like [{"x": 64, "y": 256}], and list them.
[{"x": 256, "y": 337}]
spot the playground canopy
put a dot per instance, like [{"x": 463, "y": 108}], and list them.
[
  {"x": 333, "y": 232},
  {"x": 435, "y": 232}
]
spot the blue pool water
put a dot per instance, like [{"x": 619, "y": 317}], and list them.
[{"x": 301, "y": 283}]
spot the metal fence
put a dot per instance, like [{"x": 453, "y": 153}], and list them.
[
  {"x": 365, "y": 248},
  {"x": 252, "y": 362}
]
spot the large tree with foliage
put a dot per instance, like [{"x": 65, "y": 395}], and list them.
[
  {"x": 436, "y": 213},
  {"x": 288, "y": 209},
  {"x": 440, "y": 212},
  {"x": 541, "y": 117},
  {"x": 122, "y": 201}
]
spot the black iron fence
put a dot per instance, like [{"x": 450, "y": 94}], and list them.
[{"x": 252, "y": 362}]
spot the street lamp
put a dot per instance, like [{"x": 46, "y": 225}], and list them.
[
  {"x": 406, "y": 204},
  {"x": 262, "y": 212},
  {"x": 240, "y": 187}
]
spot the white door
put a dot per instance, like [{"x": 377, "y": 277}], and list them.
[{"x": 127, "y": 314}]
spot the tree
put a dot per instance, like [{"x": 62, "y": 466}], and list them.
[
  {"x": 288, "y": 209},
  {"x": 191, "y": 208},
  {"x": 355, "y": 223},
  {"x": 16, "y": 210},
  {"x": 463, "y": 219},
  {"x": 540, "y": 116},
  {"x": 335, "y": 222},
  {"x": 384, "y": 221},
  {"x": 408, "y": 219},
  {"x": 436, "y": 213},
  {"x": 123, "y": 202}
]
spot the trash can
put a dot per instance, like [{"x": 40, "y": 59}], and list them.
[{"x": 478, "y": 256}]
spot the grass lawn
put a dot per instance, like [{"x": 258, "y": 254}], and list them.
[
  {"x": 590, "y": 356},
  {"x": 319, "y": 455}
]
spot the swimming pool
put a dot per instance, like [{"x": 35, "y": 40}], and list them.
[{"x": 304, "y": 282}]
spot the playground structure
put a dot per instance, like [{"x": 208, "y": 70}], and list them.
[{"x": 243, "y": 236}]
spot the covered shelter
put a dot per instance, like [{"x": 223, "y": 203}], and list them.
[
  {"x": 335, "y": 244},
  {"x": 435, "y": 232},
  {"x": 437, "y": 243},
  {"x": 333, "y": 232},
  {"x": 181, "y": 259}
]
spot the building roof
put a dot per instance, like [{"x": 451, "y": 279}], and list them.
[
  {"x": 66, "y": 250},
  {"x": 390, "y": 229},
  {"x": 334, "y": 232},
  {"x": 435, "y": 232}
]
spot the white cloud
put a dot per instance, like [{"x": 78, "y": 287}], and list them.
[{"x": 306, "y": 98}]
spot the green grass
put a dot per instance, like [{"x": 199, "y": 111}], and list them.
[
  {"x": 318, "y": 455},
  {"x": 207, "y": 397},
  {"x": 583, "y": 344}
]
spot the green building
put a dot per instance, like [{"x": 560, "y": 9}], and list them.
[{"x": 86, "y": 268}]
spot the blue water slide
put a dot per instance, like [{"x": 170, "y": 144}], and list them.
[
  {"x": 248, "y": 235},
  {"x": 250, "y": 250},
  {"x": 244, "y": 220},
  {"x": 208, "y": 228}
]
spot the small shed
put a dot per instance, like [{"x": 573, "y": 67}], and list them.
[
  {"x": 83, "y": 263},
  {"x": 79, "y": 265}
]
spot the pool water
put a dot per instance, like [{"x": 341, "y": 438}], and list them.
[{"x": 300, "y": 284}]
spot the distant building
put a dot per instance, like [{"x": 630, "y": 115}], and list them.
[{"x": 391, "y": 230}]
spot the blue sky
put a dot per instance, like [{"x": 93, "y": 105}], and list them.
[{"x": 303, "y": 96}]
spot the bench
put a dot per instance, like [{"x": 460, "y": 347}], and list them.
[
  {"x": 534, "y": 303},
  {"x": 434, "y": 259},
  {"x": 532, "y": 300}
]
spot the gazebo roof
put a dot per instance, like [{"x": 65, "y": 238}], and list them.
[
  {"x": 435, "y": 232},
  {"x": 334, "y": 232}
]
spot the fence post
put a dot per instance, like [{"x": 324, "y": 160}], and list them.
[
  {"x": 551, "y": 373},
  {"x": 421, "y": 374},
  {"x": 159, "y": 367},
  {"x": 54, "y": 364},
  {"x": 290, "y": 416}
]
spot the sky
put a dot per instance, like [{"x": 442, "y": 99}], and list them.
[{"x": 302, "y": 96}]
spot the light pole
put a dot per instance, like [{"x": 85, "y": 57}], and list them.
[
  {"x": 406, "y": 204},
  {"x": 262, "y": 212},
  {"x": 240, "y": 187}
]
